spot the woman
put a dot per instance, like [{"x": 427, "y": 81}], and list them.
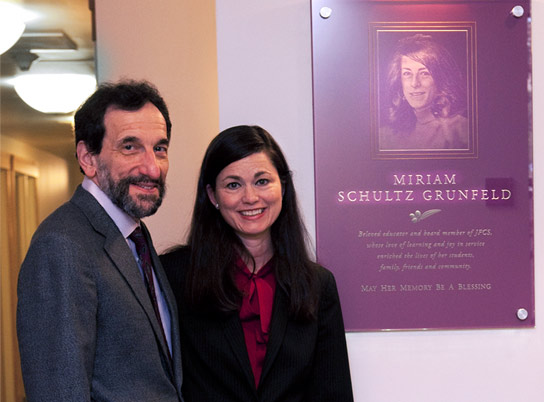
[
  {"x": 259, "y": 320},
  {"x": 426, "y": 98}
]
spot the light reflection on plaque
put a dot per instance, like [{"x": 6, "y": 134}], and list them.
[{"x": 422, "y": 131}]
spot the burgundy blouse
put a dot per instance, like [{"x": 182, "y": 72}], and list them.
[{"x": 256, "y": 310}]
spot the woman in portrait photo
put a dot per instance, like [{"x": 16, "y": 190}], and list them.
[
  {"x": 426, "y": 99},
  {"x": 259, "y": 320}
]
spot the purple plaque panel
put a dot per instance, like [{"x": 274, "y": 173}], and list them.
[{"x": 423, "y": 168}]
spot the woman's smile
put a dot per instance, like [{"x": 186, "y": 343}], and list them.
[{"x": 253, "y": 212}]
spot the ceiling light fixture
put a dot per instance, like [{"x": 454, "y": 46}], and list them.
[
  {"x": 55, "y": 93},
  {"x": 12, "y": 25},
  {"x": 56, "y": 87}
]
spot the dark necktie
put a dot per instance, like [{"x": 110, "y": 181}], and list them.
[{"x": 144, "y": 255}]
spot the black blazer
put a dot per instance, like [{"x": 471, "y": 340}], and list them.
[{"x": 304, "y": 361}]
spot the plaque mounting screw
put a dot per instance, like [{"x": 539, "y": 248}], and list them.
[
  {"x": 325, "y": 12},
  {"x": 522, "y": 314},
  {"x": 517, "y": 11}
]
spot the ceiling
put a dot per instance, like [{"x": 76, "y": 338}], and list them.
[{"x": 49, "y": 132}]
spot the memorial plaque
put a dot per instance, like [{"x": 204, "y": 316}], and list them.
[{"x": 423, "y": 162}]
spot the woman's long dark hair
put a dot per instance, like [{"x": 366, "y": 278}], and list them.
[
  {"x": 214, "y": 244},
  {"x": 450, "y": 99}
]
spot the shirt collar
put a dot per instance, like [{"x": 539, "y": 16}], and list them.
[{"x": 125, "y": 223}]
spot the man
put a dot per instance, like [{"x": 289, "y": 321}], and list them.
[{"x": 96, "y": 319}]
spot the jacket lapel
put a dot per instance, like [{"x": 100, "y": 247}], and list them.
[
  {"x": 235, "y": 337},
  {"x": 170, "y": 301},
  {"x": 279, "y": 322},
  {"x": 118, "y": 250},
  {"x": 115, "y": 245}
]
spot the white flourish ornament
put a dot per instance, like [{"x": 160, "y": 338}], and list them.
[{"x": 417, "y": 216}]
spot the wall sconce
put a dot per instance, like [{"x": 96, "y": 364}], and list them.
[
  {"x": 56, "y": 87},
  {"x": 12, "y": 25}
]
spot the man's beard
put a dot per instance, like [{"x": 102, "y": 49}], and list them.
[{"x": 118, "y": 192}]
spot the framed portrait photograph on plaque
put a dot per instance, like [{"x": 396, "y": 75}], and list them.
[
  {"x": 422, "y": 133},
  {"x": 423, "y": 90}
]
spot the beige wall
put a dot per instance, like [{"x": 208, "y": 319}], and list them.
[{"x": 171, "y": 43}]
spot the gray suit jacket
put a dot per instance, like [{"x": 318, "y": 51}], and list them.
[{"x": 85, "y": 323}]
